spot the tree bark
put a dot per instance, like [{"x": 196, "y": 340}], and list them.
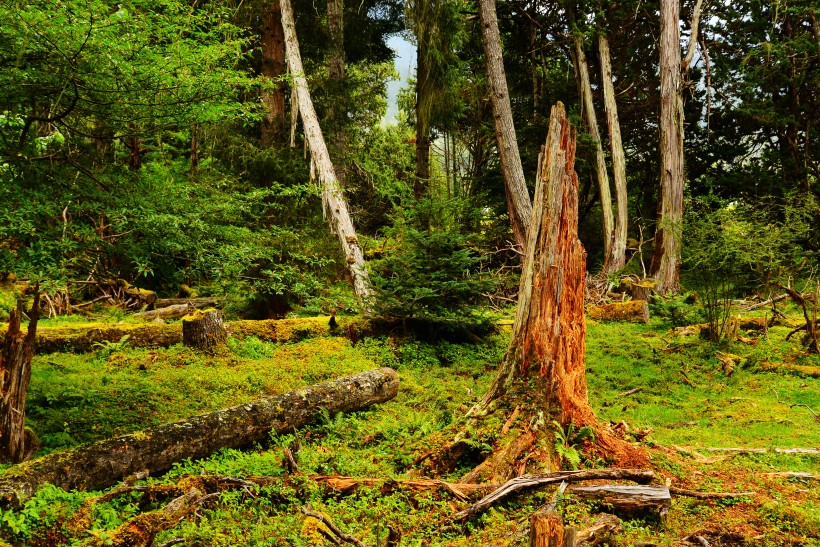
[
  {"x": 549, "y": 330},
  {"x": 546, "y": 529},
  {"x": 665, "y": 266},
  {"x": 336, "y": 74},
  {"x": 203, "y": 330},
  {"x": 518, "y": 198},
  {"x": 104, "y": 463},
  {"x": 15, "y": 374},
  {"x": 617, "y": 253},
  {"x": 333, "y": 198},
  {"x": 424, "y": 101},
  {"x": 273, "y": 69},
  {"x": 607, "y": 222},
  {"x": 627, "y": 499}
]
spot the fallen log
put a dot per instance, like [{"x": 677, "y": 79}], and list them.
[
  {"x": 604, "y": 527},
  {"x": 531, "y": 481},
  {"x": 800, "y": 475},
  {"x": 629, "y": 499},
  {"x": 84, "y": 338},
  {"x": 683, "y": 492},
  {"x": 167, "y": 313},
  {"x": 633, "y": 311},
  {"x": 200, "y": 303},
  {"x": 808, "y": 370},
  {"x": 765, "y": 450},
  {"x": 348, "y": 485},
  {"x": 102, "y": 464}
]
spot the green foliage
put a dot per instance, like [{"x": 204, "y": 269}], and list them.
[
  {"x": 430, "y": 274},
  {"x": 569, "y": 439}
]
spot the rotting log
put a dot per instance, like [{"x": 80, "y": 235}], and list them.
[
  {"x": 168, "y": 313},
  {"x": 83, "y": 338},
  {"x": 102, "y": 464},
  {"x": 203, "y": 330},
  {"x": 633, "y": 311},
  {"x": 199, "y": 302},
  {"x": 627, "y": 498}
]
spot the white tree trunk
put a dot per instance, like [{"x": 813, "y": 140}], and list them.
[
  {"x": 333, "y": 198},
  {"x": 600, "y": 160},
  {"x": 616, "y": 147}
]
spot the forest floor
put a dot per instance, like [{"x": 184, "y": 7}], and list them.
[{"x": 688, "y": 401}]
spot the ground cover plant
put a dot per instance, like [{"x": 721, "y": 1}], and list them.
[{"x": 687, "y": 403}]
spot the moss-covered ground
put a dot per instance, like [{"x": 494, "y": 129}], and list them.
[{"x": 687, "y": 402}]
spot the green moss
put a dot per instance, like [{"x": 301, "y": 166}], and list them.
[{"x": 198, "y": 315}]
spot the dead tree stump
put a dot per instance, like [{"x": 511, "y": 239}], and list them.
[
  {"x": 542, "y": 378},
  {"x": 203, "y": 330},
  {"x": 16, "y": 444},
  {"x": 546, "y": 529}
]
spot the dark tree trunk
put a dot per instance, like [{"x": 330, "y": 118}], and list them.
[
  {"x": 203, "y": 330},
  {"x": 273, "y": 69},
  {"x": 15, "y": 374},
  {"x": 424, "y": 101},
  {"x": 104, "y": 463},
  {"x": 518, "y": 198},
  {"x": 336, "y": 73}
]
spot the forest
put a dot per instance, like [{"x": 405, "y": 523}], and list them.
[{"x": 560, "y": 287}]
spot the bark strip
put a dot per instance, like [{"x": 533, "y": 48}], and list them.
[{"x": 104, "y": 463}]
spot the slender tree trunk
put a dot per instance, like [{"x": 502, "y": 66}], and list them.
[
  {"x": 618, "y": 251},
  {"x": 336, "y": 73},
  {"x": 518, "y": 198},
  {"x": 666, "y": 258},
  {"x": 423, "y": 103},
  {"x": 333, "y": 198},
  {"x": 273, "y": 68},
  {"x": 15, "y": 373},
  {"x": 600, "y": 159}
]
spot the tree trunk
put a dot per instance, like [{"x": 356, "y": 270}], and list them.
[
  {"x": 617, "y": 253},
  {"x": 665, "y": 266},
  {"x": 15, "y": 373},
  {"x": 104, "y": 463},
  {"x": 336, "y": 73},
  {"x": 424, "y": 102},
  {"x": 542, "y": 377},
  {"x": 203, "y": 330},
  {"x": 333, "y": 198},
  {"x": 585, "y": 88},
  {"x": 518, "y": 198},
  {"x": 273, "y": 69}
]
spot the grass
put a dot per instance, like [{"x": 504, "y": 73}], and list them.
[{"x": 686, "y": 398}]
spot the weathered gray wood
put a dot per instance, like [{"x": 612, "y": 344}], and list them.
[
  {"x": 198, "y": 303},
  {"x": 605, "y": 526},
  {"x": 203, "y": 330},
  {"x": 518, "y": 198},
  {"x": 104, "y": 463},
  {"x": 169, "y": 313},
  {"x": 627, "y": 498},
  {"x": 333, "y": 199},
  {"x": 525, "y": 482}
]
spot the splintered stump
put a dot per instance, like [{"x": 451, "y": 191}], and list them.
[
  {"x": 203, "y": 330},
  {"x": 542, "y": 378},
  {"x": 104, "y": 463}
]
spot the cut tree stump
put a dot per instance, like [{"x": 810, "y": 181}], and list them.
[
  {"x": 104, "y": 463},
  {"x": 633, "y": 311},
  {"x": 203, "y": 330},
  {"x": 627, "y": 499},
  {"x": 546, "y": 529}
]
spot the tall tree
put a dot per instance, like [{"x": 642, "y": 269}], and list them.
[
  {"x": 585, "y": 90},
  {"x": 333, "y": 197},
  {"x": 665, "y": 266},
  {"x": 518, "y": 198},
  {"x": 273, "y": 70},
  {"x": 617, "y": 252}
]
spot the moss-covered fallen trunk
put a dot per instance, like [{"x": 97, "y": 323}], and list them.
[
  {"x": 104, "y": 463},
  {"x": 84, "y": 338}
]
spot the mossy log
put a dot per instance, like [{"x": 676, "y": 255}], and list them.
[
  {"x": 808, "y": 370},
  {"x": 200, "y": 303},
  {"x": 82, "y": 338},
  {"x": 104, "y": 463},
  {"x": 633, "y": 311}
]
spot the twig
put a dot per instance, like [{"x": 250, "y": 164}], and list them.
[
  {"x": 630, "y": 392},
  {"x": 332, "y": 527}
]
